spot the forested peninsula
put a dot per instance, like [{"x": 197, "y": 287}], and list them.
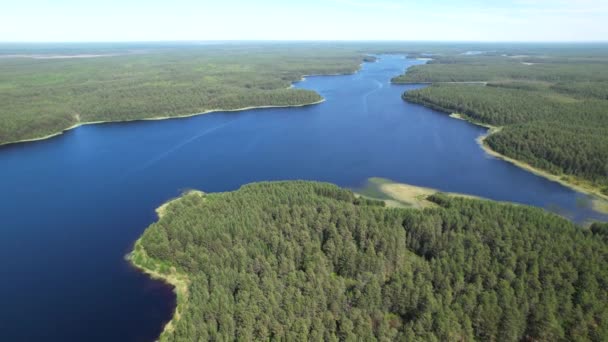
[
  {"x": 41, "y": 97},
  {"x": 552, "y": 110},
  {"x": 311, "y": 261}
]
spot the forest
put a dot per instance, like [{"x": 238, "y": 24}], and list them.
[
  {"x": 311, "y": 261},
  {"x": 42, "y": 96},
  {"x": 553, "y": 110}
]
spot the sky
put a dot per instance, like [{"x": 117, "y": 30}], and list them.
[{"x": 430, "y": 20}]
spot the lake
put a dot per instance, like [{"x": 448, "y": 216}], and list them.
[{"x": 73, "y": 205}]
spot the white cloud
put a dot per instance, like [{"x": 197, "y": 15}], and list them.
[
  {"x": 512, "y": 20},
  {"x": 381, "y": 5}
]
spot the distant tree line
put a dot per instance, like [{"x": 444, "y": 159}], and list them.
[
  {"x": 555, "y": 115},
  {"x": 41, "y": 97}
]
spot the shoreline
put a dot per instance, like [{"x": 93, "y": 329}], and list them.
[
  {"x": 443, "y": 82},
  {"x": 600, "y": 203},
  {"x": 208, "y": 111},
  {"x": 162, "y": 209},
  {"x": 582, "y": 188},
  {"x": 404, "y": 195},
  {"x": 157, "y": 118},
  {"x": 179, "y": 282},
  {"x": 139, "y": 259}
]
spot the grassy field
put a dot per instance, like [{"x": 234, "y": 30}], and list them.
[{"x": 552, "y": 107}]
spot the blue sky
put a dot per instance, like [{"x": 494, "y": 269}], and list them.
[{"x": 445, "y": 20}]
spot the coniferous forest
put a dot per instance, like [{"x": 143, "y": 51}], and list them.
[
  {"x": 551, "y": 101},
  {"x": 494, "y": 112},
  {"x": 311, "y": 261},
  {"x": 553, "y": 109},
  {"x": 43, "y": 96},
  {"x": 302, "y": 260}
]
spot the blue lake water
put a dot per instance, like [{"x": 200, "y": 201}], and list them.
[{"x": 72, "y": 206}]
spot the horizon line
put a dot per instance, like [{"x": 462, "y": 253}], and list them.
[{"x": 307, "y": 41}]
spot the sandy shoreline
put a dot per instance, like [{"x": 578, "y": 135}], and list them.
[
  {"x": 178, "y": 281},
  {"x": 600, "y": 204},
  {"x": 586, "y": 189},
  {"x": 303, "y": 78},
  {"x": 158, "y": 118},
  {"x": 446, "y": 82},
  {"x": 160, "y": 211},
  {"x": 139, "y": 259},
  {"x": 407, "y": 195}
]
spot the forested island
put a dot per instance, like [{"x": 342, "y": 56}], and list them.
[
  {"x": 311, "y": 261},
  {"x": 551, "y": 107}
]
